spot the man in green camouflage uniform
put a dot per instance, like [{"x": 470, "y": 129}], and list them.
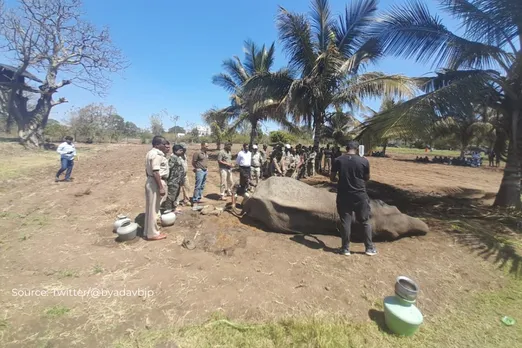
[{"x": 176, "y": 178}]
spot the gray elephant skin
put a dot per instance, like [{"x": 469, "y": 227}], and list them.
[{"x": 287, "y": 205}]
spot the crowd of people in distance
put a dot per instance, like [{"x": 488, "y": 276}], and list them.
[
  {"x": 378, "y": 154},
  {"x": 474, "y": 161},
  {"x": 300, "y": 161}
]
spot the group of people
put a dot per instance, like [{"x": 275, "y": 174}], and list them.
[
  {"x": 301, "y": 161},
  {"x": 167, "y": 185},
  {"x": 474, "y": 161},
  {"x": 167, "y": 177}
]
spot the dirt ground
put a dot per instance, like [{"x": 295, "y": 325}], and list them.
[{"x": 58, "y": 236}]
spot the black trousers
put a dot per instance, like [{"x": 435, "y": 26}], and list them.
[
  {"x": 244, "y": 180},
  {"x": 360, "y": 207}
]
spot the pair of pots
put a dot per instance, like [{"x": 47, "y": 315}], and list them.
[{"x": 125, "y": 228}]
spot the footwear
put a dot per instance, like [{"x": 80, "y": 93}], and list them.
[
  {"x": 57, "y": 179},
  {"x": 344, "y": 252},
  {"x": 371, "y": 252},
  {"x": 158, "y": 237}
]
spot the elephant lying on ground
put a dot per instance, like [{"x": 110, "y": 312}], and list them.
[{"x": 289, "y": 206}]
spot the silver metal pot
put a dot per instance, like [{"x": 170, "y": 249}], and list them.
[
  {"x": 127, "y": 231},
  {"x": 120, "y": 221},
  {"x": 406, "y": 288}
]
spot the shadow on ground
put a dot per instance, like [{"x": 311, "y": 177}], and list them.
[
  {"x": 378, "y": 318},
  {"x": 491, "y": 233}
]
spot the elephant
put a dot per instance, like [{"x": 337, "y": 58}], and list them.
[{"x": 287, "y": 205}]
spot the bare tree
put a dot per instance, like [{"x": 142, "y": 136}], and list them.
[
  {"x": 156, "y": 124},
  {"x": 50, "y": 37}
]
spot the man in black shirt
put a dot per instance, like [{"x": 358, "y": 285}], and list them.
[{"x": 354, "y": 172}]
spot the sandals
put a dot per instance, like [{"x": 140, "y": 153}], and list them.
[{"x": 158, "y": 237}]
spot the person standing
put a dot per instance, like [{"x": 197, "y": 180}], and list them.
[
  {"x": 175, "y": 179},
  {"x": 319, "y": 161},
  {"x": 265, "y": 155},
  {"x": 199, "y": 163},
  {"x": 67, "y": 152},
  {"x": 327, "y": 159},
  {"x": 244, "y": 161},
  {"x": 354, "y": 172},
  {"x": 185, "y": 185},
  {"x": 257, "y": 164},
  {"x": 156, "y": 168},
  {"x": 312, "y": 161},
  {"x": 225, "y": 170}
]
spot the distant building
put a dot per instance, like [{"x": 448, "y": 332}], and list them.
[
  {"x": 203, "y": 130},
  {"x": 179, "y": 135}
]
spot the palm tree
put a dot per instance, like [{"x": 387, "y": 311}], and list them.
[
  {"x": 328, "y": 55},
  {"x": 338, "y": 126},
  {"x": 491, "y": 40},
  {"x": 218, "y": 120},
  {"x": 245, "y": 108},
  {"x": 462, "y": 127}
]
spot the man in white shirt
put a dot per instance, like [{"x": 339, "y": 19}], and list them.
[
  {"x": 244, "y": 161},
  {"x": 67, "y": 152}
]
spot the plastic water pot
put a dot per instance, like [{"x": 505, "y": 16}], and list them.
[{"x": 401, "y": 316}]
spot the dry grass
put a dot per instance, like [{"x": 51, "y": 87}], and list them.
[{"x": 474, "y": 323}]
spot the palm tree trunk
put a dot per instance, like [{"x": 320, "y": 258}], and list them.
[
  {"x": 319, "y": 124},
  {"x": 253, "y": 132},
  {"x": 384, "y": 148},
  {"x": 509, "y": 192}
]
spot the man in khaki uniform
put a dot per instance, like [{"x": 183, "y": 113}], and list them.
[
  {"x": 157, "y": 168},
  {"x": 256, "y": 164},
  {"x": 225, "y": 170}
]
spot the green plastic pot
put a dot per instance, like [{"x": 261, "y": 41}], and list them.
[{"x": 402, "y": 317}]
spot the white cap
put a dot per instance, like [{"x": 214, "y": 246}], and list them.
[
  {"x": 287, "y": 146},
  {"x": 254, "y": 147}
]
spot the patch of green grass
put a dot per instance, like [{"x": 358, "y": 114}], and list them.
[
  {"x": 24, "y": 237},
  {"x": 67, "y": 273},
  {"x": 97, "y": 269},
  {"x": 56, "y": 311},
  {"x": 474, "y": 322},
  {"x": 3, "y": 324}
]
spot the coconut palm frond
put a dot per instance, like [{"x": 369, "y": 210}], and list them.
[
  {"x": 351, "y": 31},
  {"x": 235, "y": 70},
  {"x": 296, "y": 35},
  {"x": 225, "y": 81},
  {"x": 322, "y": 22},
  {"x": 418, "y": 114},
  {"x": 411, "y": 31},
  {"x": 486, "y": 21},
  {"x": 375, "y": 84}
]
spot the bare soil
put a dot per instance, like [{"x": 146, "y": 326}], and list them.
[{"x": 59, "y": 236}]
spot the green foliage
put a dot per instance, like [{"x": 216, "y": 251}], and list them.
[
  {"x": 282, "y": 137},
  {"x": 176, "y": 129},
  {"x": 55, "y": 131},
  {"x": 96, "y": 123},
  {"x": 131, "y": 130}
]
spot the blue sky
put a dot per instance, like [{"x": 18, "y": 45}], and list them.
[{"x": 174, "y": 47}]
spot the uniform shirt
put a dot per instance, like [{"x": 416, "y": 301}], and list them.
[
  {"x": 288, "y": 159},
  {"x": 184, "y": 161},
  {"x": 64, "y": 148},
  {"x": 155, "y": 160},
  {"x": 327, "y": 153},
  {"x": 257, "y": 159},
  {"x": 224, "y": 156},
  {"x": 244, "y": 159},
  {"x": 176, "y": 170},
  {"x": 200, "y": 160},
  {"x": 353, "y": 170}
]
